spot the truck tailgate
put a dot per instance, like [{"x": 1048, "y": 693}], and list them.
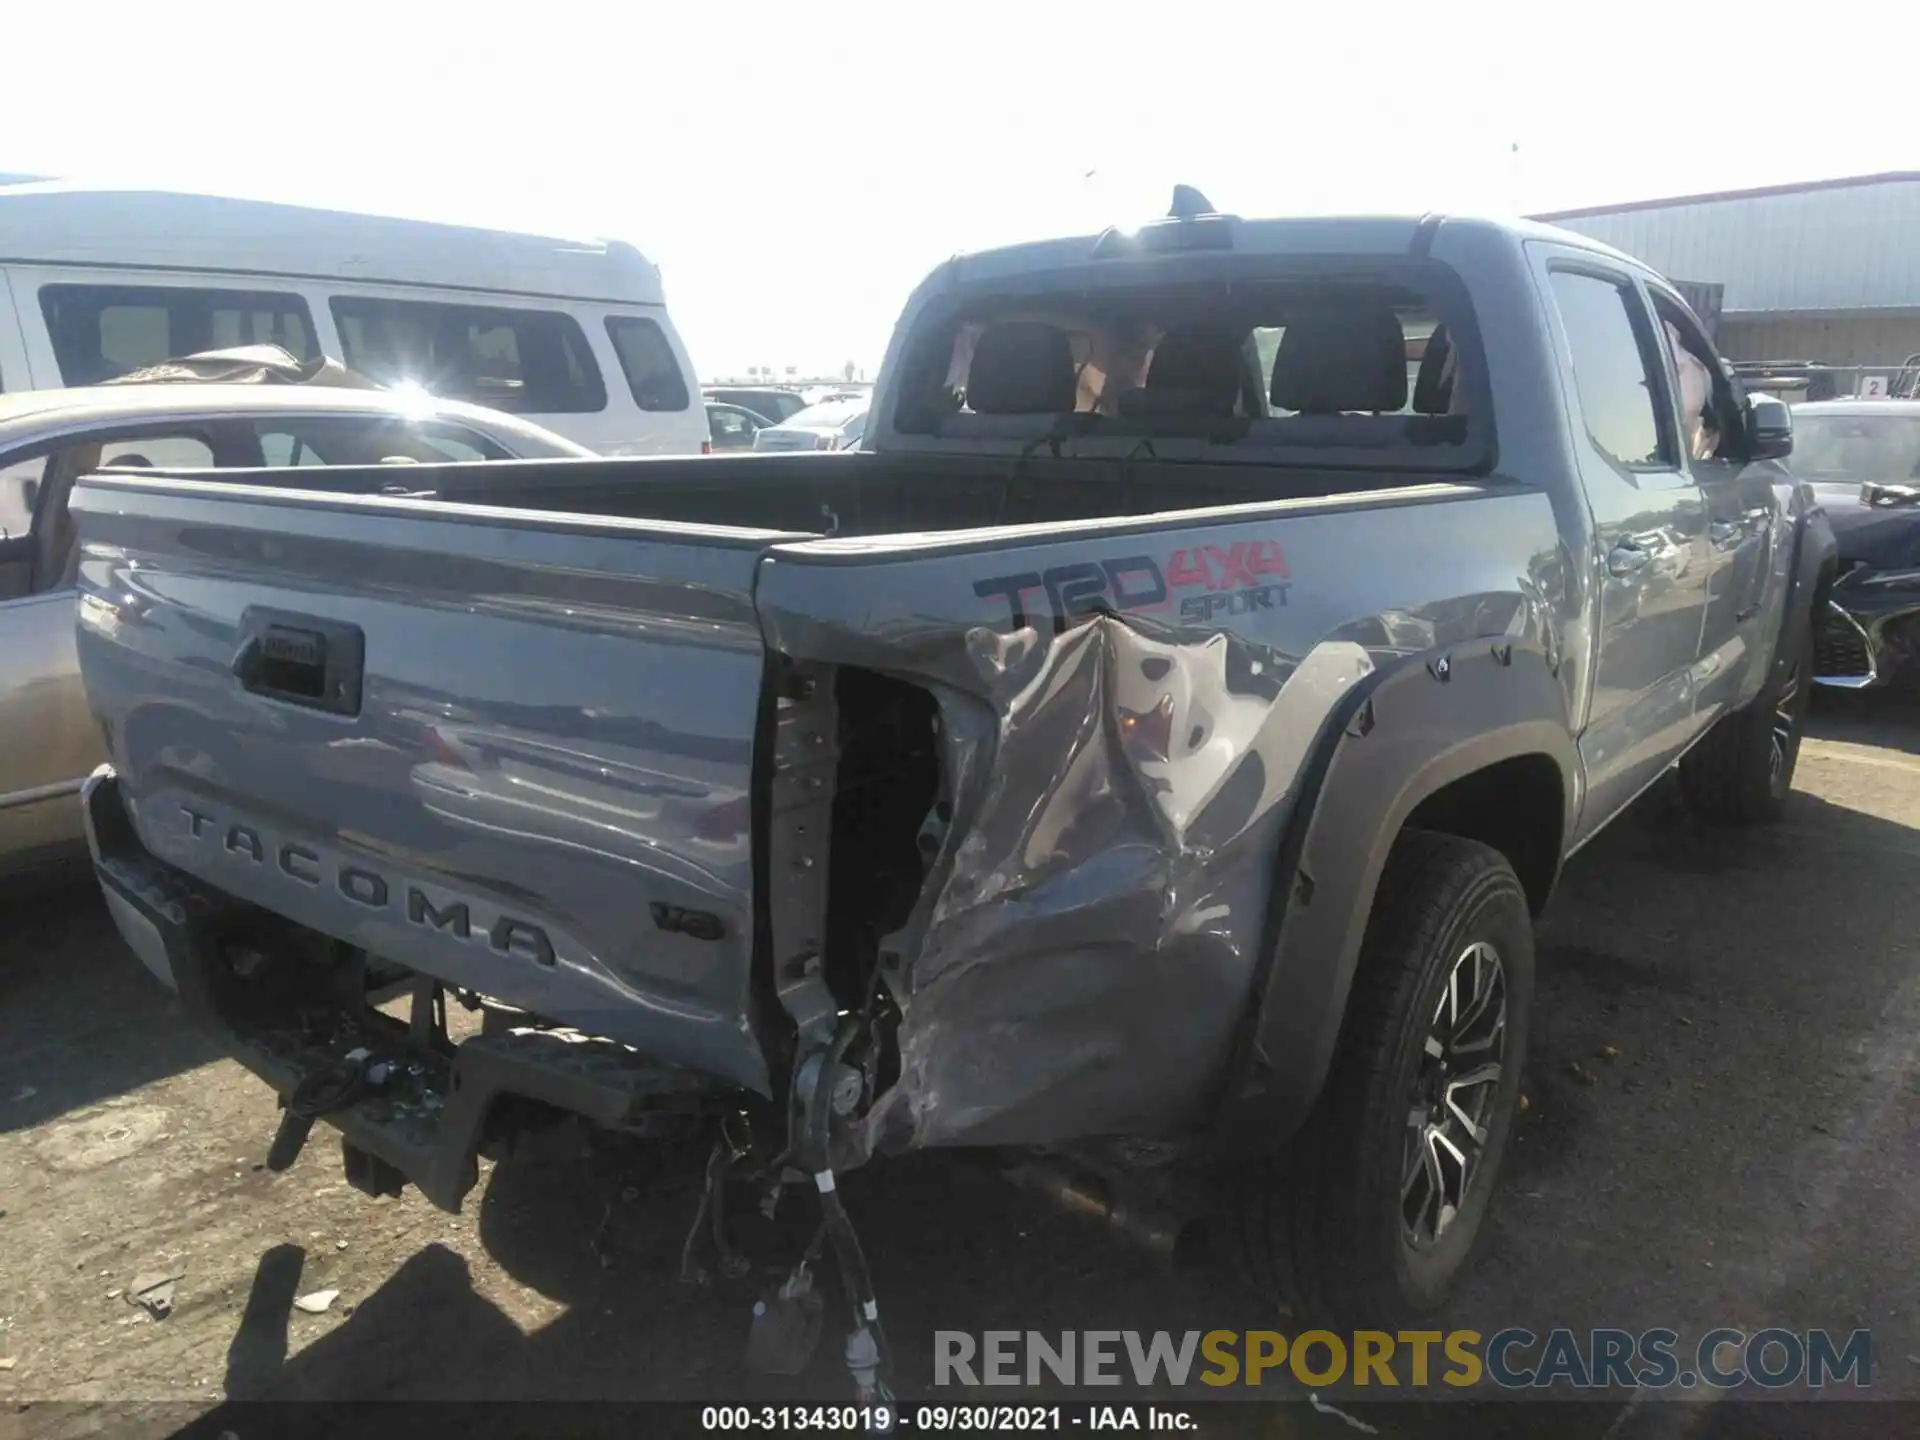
[{"x": 509, "y": 749}]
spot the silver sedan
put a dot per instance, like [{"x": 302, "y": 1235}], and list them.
[{"x": 50, "y": 438}]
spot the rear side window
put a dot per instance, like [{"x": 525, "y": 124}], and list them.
[
  {"x": 368, "y": 440},
  {"x": 729, "y": 425},
  {"x": 653, "y": 374},
  {"x": 1613, "y": 370},
  {"x": 19, "y": 489},
  {"x": 55, "y": 551},
  {"x": 103, "y": 331},
  {"x": 158, "y": 452},
  {"x": 532, "y": 362}
]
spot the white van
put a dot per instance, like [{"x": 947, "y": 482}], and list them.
[{"x": 572, "y": 334}]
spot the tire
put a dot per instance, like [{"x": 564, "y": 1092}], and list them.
[
  {"x": 1321, "y": 1228},
  {"x": 1741, "y": 772}
]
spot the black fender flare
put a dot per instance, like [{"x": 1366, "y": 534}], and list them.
[
  {"x": 1816, "y": 559},
  {"x": 1399, "y": 736}
]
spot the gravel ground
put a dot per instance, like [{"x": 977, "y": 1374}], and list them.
[{"x": 1723, "y": 1105}]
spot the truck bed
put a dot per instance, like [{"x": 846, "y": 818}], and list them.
[
  {"x": 853, "y": 493},
  {"x": 690, "y": 755}
]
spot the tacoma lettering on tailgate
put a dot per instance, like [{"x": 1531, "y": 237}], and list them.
[{"x": 298, "y": 864}]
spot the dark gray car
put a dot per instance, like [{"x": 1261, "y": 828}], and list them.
[
  {"x": 1862, "y": 458},
  {"x": 1166, "y": 726}
]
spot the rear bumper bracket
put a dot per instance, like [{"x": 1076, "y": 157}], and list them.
[{"x": 427, "y": 1121}]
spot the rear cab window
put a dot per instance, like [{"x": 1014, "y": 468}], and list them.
[
  {"x": 652, "y": 369},
  {"x": 529, "y": 362},
  {"x": 1318, "y": 360},
  {"x": 100, "y": 332}
]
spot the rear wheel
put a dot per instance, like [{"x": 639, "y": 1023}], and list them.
[
  {"x": 1742, "y": 770},
  {"x": 1368, "y": 1217}
]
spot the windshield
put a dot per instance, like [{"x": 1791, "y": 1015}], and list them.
[{"x": 1855, "y": 449}]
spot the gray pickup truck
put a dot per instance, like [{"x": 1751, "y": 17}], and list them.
[{"x": 1166, "y": 727}]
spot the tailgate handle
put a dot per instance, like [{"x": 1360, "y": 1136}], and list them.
[{"x": 301, "y": 660}]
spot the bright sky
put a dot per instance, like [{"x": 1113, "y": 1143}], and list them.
[{"x": 795, "y": 169}]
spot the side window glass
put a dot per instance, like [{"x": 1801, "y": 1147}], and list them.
[
  {"x": 1611, "y": 371},
  {"x": 55, "y": 548},
  {"x": 369, "y": 440},
  {"x": 19, "y": 488},
  {"x": 134, "y": 335},
  {"x": 527, "y": 361},
  {"x": 1709, "y": 414},
  {"x": 102, "y": 331},
  {"x": 278, "y": 448},
  {"x": 231, "y": 325},
  {"x": 653, "y": 374},
  {"x": 451, "y": 445},
  {"x": 158, "y": 452}
]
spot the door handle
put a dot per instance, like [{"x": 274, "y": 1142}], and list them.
[
  {"x": 1625, "y": 560},
  {"x": 301, "y": 660}
]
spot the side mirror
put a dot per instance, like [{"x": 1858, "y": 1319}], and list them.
[{"x": 1769, "y": 429}]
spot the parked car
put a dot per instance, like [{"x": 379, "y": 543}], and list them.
[
  {"x": 734, "y": 426},
  {"x": 771, "y": 401},
  {"x": 1862, "y": 458},
  {"x": 48, "y": 438},
  {"x": 573, "y": 334},
  {"x": 1133, "y": 739},
  {"x": 834, "y": 425}
]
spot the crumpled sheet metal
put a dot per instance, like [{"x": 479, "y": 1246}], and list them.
[{"x": 1081, "y": 958}]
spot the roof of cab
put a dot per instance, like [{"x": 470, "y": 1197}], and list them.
[
  {"x": 1289, "y": 235},
  {"x": 111, "y": 403},
  {"x": 68, "y": 224}
]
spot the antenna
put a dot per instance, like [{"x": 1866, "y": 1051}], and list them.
[{"x": 1189, "y": 203}]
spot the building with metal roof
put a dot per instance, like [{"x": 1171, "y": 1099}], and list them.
[{"x": 1827, "y": 271}]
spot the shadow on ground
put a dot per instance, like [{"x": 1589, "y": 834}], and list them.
[
  {"x": 80, "y": 1020},
  {"x": 1889, "y": 719}
]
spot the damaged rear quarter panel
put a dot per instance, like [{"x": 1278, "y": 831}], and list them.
[{"x": 1124, "y": 720}]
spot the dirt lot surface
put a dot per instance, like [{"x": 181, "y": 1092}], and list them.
[{"x": 1722, "y": 1129}]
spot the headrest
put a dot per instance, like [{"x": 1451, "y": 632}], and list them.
[
  {"x": 1344, "y": 354},
  {"x": 1024, "y": 367},
  {"x": 1196, "y": 370},
  {"x": 1433, "y": 386}
]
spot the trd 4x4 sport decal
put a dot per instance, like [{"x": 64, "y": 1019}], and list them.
[{"x": 1228, "y": 580}]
